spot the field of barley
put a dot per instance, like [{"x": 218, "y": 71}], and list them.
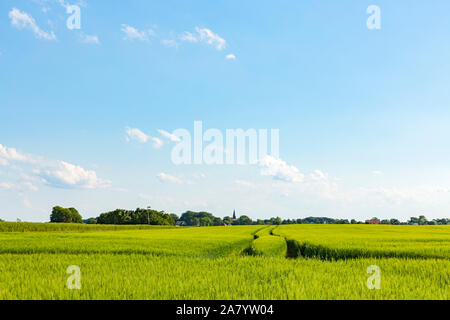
[{"x": 238, "y": 262}]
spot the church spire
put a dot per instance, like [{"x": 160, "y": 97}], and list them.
[{"x": 234, "y": 214}]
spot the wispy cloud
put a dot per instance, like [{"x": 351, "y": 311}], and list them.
[
  {"x": 168, "y": 135},
  {"x": 164, "y": 177},
  {"x": 132, "y": 33},
  {"x": 204, "y": 35},
  {"x": 138, "y": 135},
  {"x": 211, "y": 38},
  {"x": 91, "y": 39},
  {"x": 22, "y": 20},
  {"x": 188, "y": 37}
]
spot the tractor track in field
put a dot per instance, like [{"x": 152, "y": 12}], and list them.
[{"x": 306, "y": 250}]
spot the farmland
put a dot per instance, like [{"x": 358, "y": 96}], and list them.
[{"x": 238, "y": 262}]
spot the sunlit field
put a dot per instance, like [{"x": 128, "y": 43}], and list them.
[
  {"x": 347, "y": 241},
  {"x": 238, "y": 262}
]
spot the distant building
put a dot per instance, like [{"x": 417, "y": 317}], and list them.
[
  {"x": 180, "y": 224},
  {"x": 373, "y": 221},
  {"x": 234, "y": 214}
]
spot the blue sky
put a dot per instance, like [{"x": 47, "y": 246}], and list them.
[{"x": 362, "y": 114}]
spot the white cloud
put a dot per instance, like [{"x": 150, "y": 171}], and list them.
[
  {"x": 136, "y": 134},
  {"x": 91, "y": 39},
  {"x": 23, "y": 20},
  {"x": 11, "y": 154},
  {"x": 66, "y": 175},
  {"x": 319, "y": 176},
  {"x": 134, "y": 34},
  {"x": 279, "y": 169},
  {"x": 169, "y": 135},
  {"x": 230, "y": 57},
  {"x": 204, "y": 35},
  {"x": 320, "y": 184},
  {"x": 164, "y": 177},
  {"x": 54, "y": 173},
  {"x": 189, "y": 37},
  {"x": 211, "y": 38}
]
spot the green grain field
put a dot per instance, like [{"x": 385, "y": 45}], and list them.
[{"x": 238, "y": 262}]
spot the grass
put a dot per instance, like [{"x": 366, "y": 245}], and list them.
[
  {"x": 207, "y": 263},
  {"x": 268, "y": 245},
  {"x": 357, "y": 241}
]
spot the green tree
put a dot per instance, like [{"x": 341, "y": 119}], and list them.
[
  {"x": 422, "y": 220},
  {"x": 138, "y": 216},
  {"x": 174, "y": 217},
  {"x": 196, "y": 219},
  {"x": 227, "y": 220},
  {"x": 90, "y": 221},
  {"x": 276, "y": 221},
  {"x": 65, "y": 215},
  {"x": 206, "y": 221},
  {"x": 243, "y": 220},
  {"x": 413, "y": 220}
]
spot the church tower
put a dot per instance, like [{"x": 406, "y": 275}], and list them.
[{"x": 234, "y": 214}]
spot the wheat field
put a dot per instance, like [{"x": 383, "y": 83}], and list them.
[{"x": 238, "y": 262}]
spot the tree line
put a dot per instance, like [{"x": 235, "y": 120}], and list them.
[
  {"x": 118, "y": 216},
  {"x": 204, "y": 219}
]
